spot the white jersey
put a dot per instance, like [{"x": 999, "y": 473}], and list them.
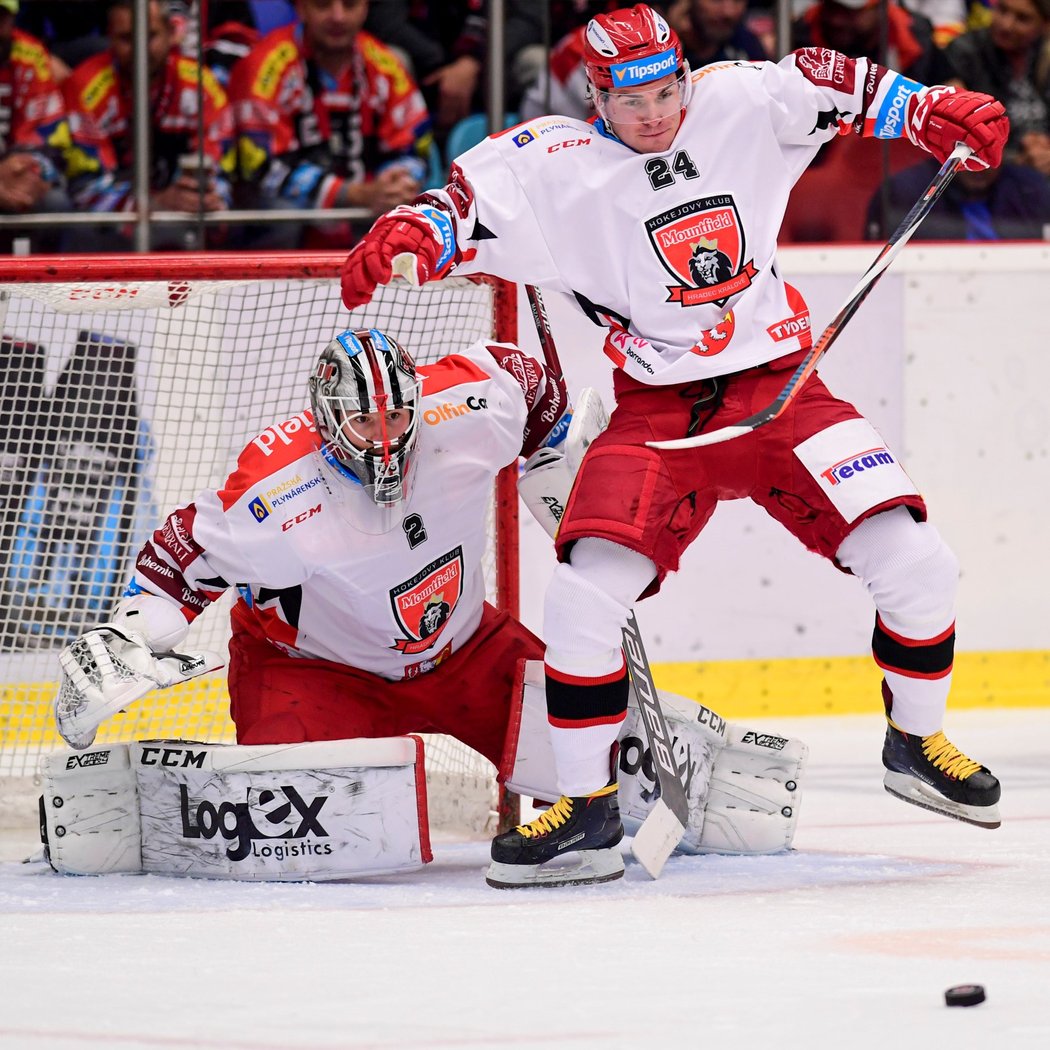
[
  {"x": 285, "y": 528},
  {"x": 678, "y": 247}
]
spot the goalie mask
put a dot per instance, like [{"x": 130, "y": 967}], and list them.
[
  {"x": 628, "y": 56},
  {"x": 364, "y": 393}
]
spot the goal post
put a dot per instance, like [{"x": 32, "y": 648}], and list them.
[{"x": 129, "y": 383}]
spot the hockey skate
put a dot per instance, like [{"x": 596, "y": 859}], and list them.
[
  {"x": 929, "y": 771},
  {"x": 574, "y": 842}
]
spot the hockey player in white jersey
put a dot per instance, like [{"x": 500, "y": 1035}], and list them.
[
  {"x": 660, "y": 218},
  {"x": 356, "y": 535}
]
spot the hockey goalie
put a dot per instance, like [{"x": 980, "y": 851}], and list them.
[{"x": 360, "y": 622}]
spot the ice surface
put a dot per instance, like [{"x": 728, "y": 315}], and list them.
[{"x": 849, "y": 941}]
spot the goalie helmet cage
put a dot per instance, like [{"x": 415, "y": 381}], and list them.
[{"x": 130, "y": 382}]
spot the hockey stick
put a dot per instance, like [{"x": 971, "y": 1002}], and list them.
[
  {"x": 663, "y": 828},
  {"x": 808, "y": 365}
]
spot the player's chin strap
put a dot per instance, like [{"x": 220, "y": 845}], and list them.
[{"x": 808, "y": 365}]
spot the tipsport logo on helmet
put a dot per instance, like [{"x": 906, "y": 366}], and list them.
[{"x": 642, "y": 70}]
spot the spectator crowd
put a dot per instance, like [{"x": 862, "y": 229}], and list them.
[{"x": 301, "y": 105}]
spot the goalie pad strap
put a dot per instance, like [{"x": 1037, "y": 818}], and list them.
[{"x": 315, "y": 811}]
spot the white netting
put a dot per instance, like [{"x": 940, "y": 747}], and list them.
[{"x": 119, "y": 400}]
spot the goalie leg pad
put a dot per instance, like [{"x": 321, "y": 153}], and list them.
[
  {"x": 283, "y": 812},
  {"x": 279, "y": 812},
  {"x": 528, "y": 757},
  {"x": 698, "y": 735},
  {"x": 755, "y": 793},
  {"x": 89, "y": 812},
  {"x": 743, "y": 786}
]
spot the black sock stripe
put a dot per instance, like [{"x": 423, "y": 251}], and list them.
[
  {"x": 930, "y": 659},
  {"x": 581, "y": 702}
]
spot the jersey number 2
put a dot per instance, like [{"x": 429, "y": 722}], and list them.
[
  {"x": 414, "y": 530},
  {"x": 662, "y": 174}
]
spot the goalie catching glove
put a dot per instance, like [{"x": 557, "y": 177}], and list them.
[
  {"x": 416, "y": 242},
  {"x": 117, "y": 663},
  {"x": 941, "y": 117}
]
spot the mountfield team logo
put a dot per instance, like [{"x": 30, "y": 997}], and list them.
[
  {"x": 701, "y": 243},
  {"x": 423, "y": 604}
]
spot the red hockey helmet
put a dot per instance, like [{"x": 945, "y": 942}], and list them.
[{"x": 629, "y": 47}]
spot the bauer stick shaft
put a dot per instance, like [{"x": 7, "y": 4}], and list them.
[
  {"x": 808, "y": 365},
  {"x": 663, "y": 828}
]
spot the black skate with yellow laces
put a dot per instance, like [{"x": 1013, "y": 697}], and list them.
[
  {"x": 929, "y": 771},
  {"x": 574, "y": 842}
]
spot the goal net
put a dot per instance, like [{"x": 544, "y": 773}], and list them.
[{"x": 127, "y": 385}]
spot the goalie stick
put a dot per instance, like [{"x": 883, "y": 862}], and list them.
[
  {"x": 663, "y": 828},
  {"x": 909, "y": 224}
]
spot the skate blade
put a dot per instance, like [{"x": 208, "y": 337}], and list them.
[
  {"x": 908, "y": 789},
  {"x": 592, "y": 866}
]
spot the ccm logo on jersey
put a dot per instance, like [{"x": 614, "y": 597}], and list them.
[
  {"x": 846, "y": 468},
  {"x": 568, "y": 144},
  {"x": 266, "y": 441},
  {"x": 434, "y": 416},
  {"x": 292, "y": 522}
]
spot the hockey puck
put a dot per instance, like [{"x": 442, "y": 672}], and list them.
[{"x": 964, "y": 995}]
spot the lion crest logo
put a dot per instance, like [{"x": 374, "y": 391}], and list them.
[
  {"x": 701, "y": 244},
  {"x": 423, "y": 604}
]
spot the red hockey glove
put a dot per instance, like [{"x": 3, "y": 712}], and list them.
[
  {"x": 417, "y": 243},
  {"x": 941, "y": 117}
]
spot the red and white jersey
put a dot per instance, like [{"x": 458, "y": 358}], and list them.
[
  {"x": 291, "y": 533},
  {"x": 678, "y": 248}
]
